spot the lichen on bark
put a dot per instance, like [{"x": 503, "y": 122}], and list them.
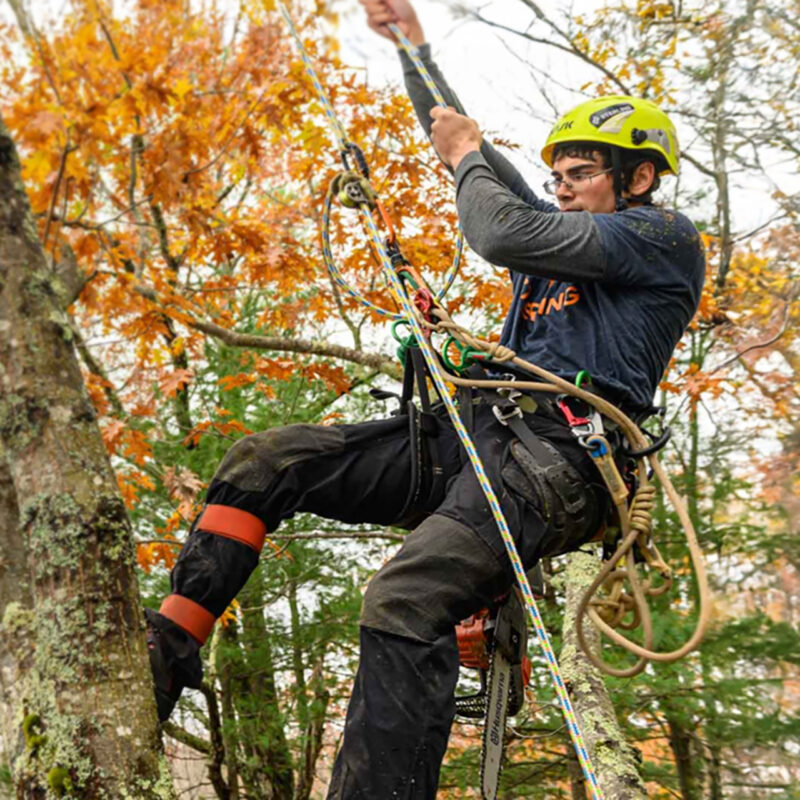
[
  {"x": 616, "y": 762},
  {"x": 80, "y": 655}
]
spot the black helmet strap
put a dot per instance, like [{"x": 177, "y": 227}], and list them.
[{"x": 616, "y": 174}]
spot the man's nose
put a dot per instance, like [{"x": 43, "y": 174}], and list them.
[{"x": 563, "y": 191}]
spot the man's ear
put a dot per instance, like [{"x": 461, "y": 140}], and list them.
[{"x": 642, "y": 179}]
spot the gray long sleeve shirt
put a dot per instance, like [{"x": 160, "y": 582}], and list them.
[{"x": 608, "y": 293}]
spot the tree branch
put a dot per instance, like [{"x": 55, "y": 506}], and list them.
[
  {"x": 68, "y": 148},
  {"x": 570, "y": 47},
  {"x": 758, "y": 345},
  {"x": 184, "y": 737},
  {"x": 378, "y": 361},
  {"x": 293, "y": 537}
]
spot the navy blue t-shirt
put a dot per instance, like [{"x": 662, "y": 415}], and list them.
[
  {"x": 608, "y": 293},
  {"x": 624, "y": 327}
]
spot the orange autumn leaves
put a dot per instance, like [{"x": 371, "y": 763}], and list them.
[{"x": 180, "y": 158}]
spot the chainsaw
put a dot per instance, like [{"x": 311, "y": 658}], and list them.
[{"x": 494, "y": 641}]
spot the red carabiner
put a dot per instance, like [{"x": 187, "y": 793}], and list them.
[
  {"x": 425, "y": 302},
  {"x": 572, "y": 420}
]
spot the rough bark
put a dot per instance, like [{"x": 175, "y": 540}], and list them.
[
  {"x": 85, "y": 713},
  {"x": 615, "y": 761},
  {"x": 15, "y": 596}
]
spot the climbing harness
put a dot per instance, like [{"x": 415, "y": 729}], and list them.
[{"x": 423, "y": 316}]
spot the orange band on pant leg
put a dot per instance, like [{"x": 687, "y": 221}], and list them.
[
  {"x": 197, "y": 621},
  {"x": 235, "y": 524}
]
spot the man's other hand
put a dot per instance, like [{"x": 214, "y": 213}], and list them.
[
  {"x": 454, "y": 135},
  {"x": 381, "y": 13}
]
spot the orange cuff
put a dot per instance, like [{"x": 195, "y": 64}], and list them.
[
  {"x": 197, "y": 621},
  {"x": 234, "y": 524}
]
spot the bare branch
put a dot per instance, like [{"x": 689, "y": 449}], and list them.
[
  {"x": 570, "y": 46},
  {"x": 184, "y": 737},
  {"x": 293, "y": 537},
  {"x": 68, "y": 148},
  {"x": 383, "y": 363},
  {"x": 758, "y": 345}
]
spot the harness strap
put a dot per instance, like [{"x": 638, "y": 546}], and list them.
[
  {"x": 531, "y": 441},
  {"x": 197, "y": 621},
  {"x": 407, "y": 392},
  {"x": 233, "y": 523},
  {"x": 465, "y": 395},
  {"x": 417, "y": 360}
]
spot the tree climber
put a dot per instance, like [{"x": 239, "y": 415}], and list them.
[{"x": 609, "y": 288}]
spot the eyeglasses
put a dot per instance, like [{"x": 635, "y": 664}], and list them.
[{"x": 551, "y": 186}]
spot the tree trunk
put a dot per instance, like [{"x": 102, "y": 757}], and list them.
[
  {"x": 313, "y": 732},
  {"x": 261, "y": 722},
  {"x": 229, "y": 727},
  {"x": 615, "y": 761},
  {"x": 15, "y": 603},
  {"x": 680, "y": 742},
  {"x": 577, "y": 781},
  {"x": 85, "y": 712}
]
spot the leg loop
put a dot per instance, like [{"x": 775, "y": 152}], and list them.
[
  {"x": 233, "y": 523},
  {"x": 192, "y": 617}
]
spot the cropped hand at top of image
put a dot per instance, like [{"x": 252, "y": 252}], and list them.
[{"x": 382, "y": 13}]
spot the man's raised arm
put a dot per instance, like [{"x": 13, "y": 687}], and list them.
[{"x": 381, "y": 13}]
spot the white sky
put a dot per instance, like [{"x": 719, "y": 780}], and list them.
[{"x": 489, "y": 71}]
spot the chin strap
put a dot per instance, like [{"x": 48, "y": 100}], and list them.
[{"x": 616, "y": 166}]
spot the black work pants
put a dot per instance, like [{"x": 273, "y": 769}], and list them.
[{"x": 453, "y": 563}]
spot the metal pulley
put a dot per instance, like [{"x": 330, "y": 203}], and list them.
[{"x": 354, "y": 191}]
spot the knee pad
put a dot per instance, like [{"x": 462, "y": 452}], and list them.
[
  {"x": 443, "y": 573},
  {"x": 567, "y": 504},
  {"x": 252, "y": 463}
]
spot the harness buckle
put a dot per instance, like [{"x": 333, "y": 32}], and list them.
[
  {"x": 508, "y": 407},
  {"x": 506, "y": 411}
]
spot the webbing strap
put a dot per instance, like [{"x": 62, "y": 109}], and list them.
[
  {"x": 528, "y": 438},
  {"x": 197, "y": 621},
  {"x": 233, "y": 523}
]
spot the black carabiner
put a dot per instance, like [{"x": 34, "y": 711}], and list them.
[
  {"x": 654, "y": 448},
  {"x": 361, "y": 163}
]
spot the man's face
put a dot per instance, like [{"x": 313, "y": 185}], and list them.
[{"x": 595, "y": 194}]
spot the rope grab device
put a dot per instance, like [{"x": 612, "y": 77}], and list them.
[{"x": 617, "y": 598}]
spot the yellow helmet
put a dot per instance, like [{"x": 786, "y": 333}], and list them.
[{"x": 622, "y": 121}]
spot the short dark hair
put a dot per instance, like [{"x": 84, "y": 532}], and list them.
[{"x": 629, "y": 161}]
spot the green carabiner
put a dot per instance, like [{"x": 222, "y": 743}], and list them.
[
  {"x": 582, "y": 376},
  {"x": 468, "y": 355},
  {"x": 395, "y": 326},
  {"x": 406, "y": 342},
  {"x": 405, "y": 275}
]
